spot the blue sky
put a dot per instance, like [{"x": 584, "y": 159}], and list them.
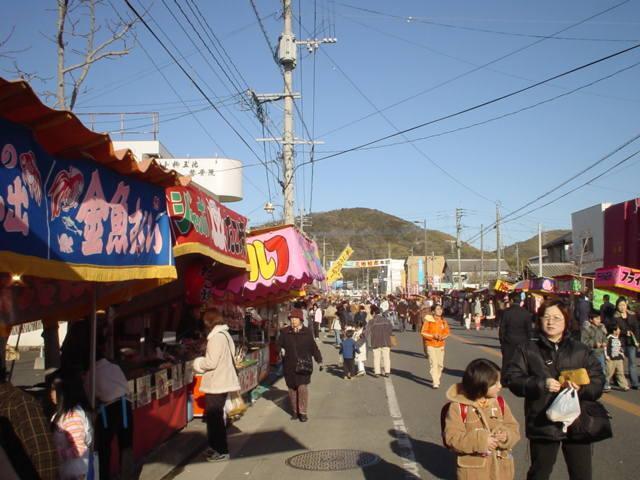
[{"x": 389, "y": 58}]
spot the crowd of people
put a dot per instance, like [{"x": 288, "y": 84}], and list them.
[
  {"x": 544, "y": 342},
  {"x": 543, "y": 345}
]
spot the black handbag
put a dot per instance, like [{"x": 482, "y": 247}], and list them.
[
  {"x": 593, "y": 424},
  {"x": 304, "y": 366}
]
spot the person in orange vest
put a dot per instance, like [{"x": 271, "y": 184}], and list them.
[{"x": 435, "y": 331}]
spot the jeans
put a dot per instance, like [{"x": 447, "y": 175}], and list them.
[
  {"x": 631, "y": 351},
  {"x": 349, "y": 367},
  {"x": 338, "y": 339},
  {"x": 603, "y": 364}
]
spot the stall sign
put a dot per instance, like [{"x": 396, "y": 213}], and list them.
[
  {"x": 188, "y": 372},
  {"x": 75, "y": 219},
  {"x": 162, "y": 383},
  {"x": 143, "y": 390},
  {"x": 201, "y": 224},
  {"x": 248, "y": 378},
  {"x": 176, "y": 377},
  {"x": 131, "y": 391},
  {"x": 336, "y": 267},
  {"x": 569, "y": 285},
  {"x": 619, "y": 277},
  {"x": 542, "y": 284}
]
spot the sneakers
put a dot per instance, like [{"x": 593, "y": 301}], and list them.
[
  {"x": 607, "y": 388},
  {"x": 385, "y": 375},
  {"x": 303, "y": 417},
  {"x": 213, "y": 456},
  {"x": 436, "y": 386}
]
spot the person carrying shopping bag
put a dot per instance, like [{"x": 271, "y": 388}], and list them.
[{"x": 218, "y": 380}]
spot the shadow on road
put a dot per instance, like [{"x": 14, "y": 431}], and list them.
[
  {"x": 279, "y": 397},
  {"x": 410, "y": 376},
  {"x": 408, "y": 353},
  {"x": 453, "y": 372},
  {"x": 434, "y": 458}
]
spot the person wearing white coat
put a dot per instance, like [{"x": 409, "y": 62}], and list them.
[{"x": 218, "y": 379}]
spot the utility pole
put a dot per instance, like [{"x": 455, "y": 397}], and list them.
[
  {"x": 287, "y": 57},
  {"x": 498, "y": 246},
  {"x": 481, "y": 256},
  {"x": 540, "y": 250},
  {"x": 517, "y": 259},
  {"x": 458, "y": 231},
  {"x": 324, "y": 252}
]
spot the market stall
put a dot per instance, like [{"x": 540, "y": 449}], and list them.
[
  {"x": 282, "y": 262},
  {"x": 84, "y": 227}
]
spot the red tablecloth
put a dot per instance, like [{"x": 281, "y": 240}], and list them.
[{"x": 154, "y": 423}]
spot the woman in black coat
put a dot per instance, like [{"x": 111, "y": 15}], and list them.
[
  {"x": 533, "y": 373},
  {"x": 298, "y": 343}
]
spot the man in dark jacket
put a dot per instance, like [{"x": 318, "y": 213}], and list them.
[
  {"x": 607, "y": 311},
  {"x": 583, "y": 308},
  {"x": 515, "y": 328}
]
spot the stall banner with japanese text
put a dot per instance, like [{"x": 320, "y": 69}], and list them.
[
  {"x": 620, "y": 278},
  {"x": 201, "y": 224},
  {"x": 75, "y": 219},
  {"x": 281, "y": 261}
]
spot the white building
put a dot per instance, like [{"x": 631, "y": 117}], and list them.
[
  {"x": 221, "y": 177},
  {"x": 587, "y": 227}
]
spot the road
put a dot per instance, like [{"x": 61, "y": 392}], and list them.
[{"x": 397, "y": 419}]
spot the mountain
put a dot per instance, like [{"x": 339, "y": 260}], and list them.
[
  {"x": 372, "y": 234},
  {"x": 529, "y": 248}
]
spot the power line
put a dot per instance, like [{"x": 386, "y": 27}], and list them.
[
  {"x": 481, "y": 105},
  {"x": 473, "y": 64},
  {"x": 627, "y": 158},
  {"x": 191, "y": 79},
  {"x": 412, "y": 19},
  {"x": 233, "y": 81},
  {"x": 508, "y": 114},
  {"x": 479, "y": 67},
  {"x": 415, "y": 147},
  {"x": 139, "y": 75},
  {"x": 563, "y": 183}
]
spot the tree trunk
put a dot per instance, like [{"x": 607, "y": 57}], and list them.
[{"x": 62, "y": 16}]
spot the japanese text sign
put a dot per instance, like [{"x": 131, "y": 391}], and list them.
[
  {"x": 619, "y": 277},
  {"x": 201, "y": 224},
  {"x": 77, "y": 220}
]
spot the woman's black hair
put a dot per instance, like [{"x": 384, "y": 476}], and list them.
[
  {"x": 478, "y": 377},
  {"x": 620, "y": 300},
  {"x": 69, "y": 394},
  {"x": 375, "y": 309}
]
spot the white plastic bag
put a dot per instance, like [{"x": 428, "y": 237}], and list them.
[{"x": 565, "y": 408}]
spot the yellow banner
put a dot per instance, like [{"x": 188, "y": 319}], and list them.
[{"x": 334, "y": 272}]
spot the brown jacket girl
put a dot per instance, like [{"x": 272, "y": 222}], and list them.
[{"x": 480, "y": 429}]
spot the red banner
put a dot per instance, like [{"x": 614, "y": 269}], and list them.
[{"x": 201, "y": 224}]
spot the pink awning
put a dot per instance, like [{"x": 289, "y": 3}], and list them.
[{"x": 281, "y": 260}]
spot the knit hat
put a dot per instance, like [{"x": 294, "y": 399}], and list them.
[{"x": 296, "y": 313}]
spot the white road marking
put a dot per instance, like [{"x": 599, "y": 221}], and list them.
[{"x": 404, "y": 444}]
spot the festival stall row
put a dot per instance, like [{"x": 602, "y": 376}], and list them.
[{"x": 282, "y": 262}]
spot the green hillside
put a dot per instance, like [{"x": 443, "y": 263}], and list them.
[
  {"x": 529, "y": 248},
  {"x": 372, "y": 233}
]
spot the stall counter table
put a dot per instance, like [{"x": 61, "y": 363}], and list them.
[{"x": 154, "y": 423}]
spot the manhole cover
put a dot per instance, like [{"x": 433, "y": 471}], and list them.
[{"x": 331, "y": 460}]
